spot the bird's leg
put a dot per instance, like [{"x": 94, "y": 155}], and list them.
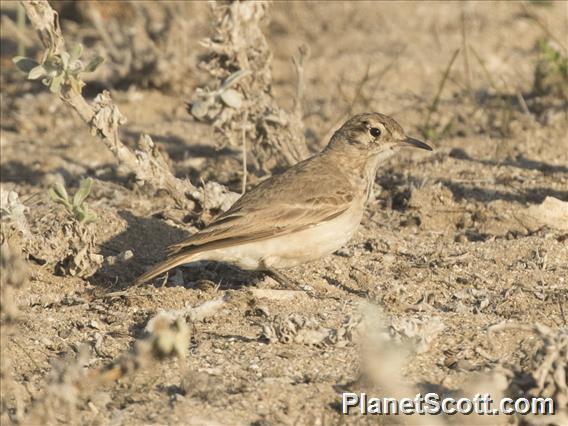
[{"x": 284, "y": 281}]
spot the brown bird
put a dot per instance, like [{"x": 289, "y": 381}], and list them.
[{"x": 303, "y": 214}]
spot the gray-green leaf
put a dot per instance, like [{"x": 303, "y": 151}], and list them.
[
  {"x": 24, "y": 64},
  {"x": 232, "y": 98},
  {"x": 65, "y": 59},
  {"x": 60, "y": 192},
  {"x": 84, "y": 215},
  {"x": 52, "y": 65},
  {"x": 83, "y": 192},
  {"x": 76, "y": 52},
  {"x": 93, "y": 64},
  {"x": 37, "y": 72},
  {"x": 199, "y": 109},
  {"x": 55, "y": 83},
  {"x": 234, "y": 78},
  {"x": 90, "y": 216}
]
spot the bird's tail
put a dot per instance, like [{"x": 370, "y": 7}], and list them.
[{"x": 165, "y": 266}]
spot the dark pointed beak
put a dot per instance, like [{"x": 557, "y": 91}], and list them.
[{"x": 415, "y": 143}]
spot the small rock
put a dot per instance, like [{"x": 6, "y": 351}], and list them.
[{"x": 344, "y": 252}]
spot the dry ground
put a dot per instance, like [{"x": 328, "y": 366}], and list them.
[{"x": 443, "y": 252}]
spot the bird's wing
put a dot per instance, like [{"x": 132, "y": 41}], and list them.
[{"x": 288, "y": 203}]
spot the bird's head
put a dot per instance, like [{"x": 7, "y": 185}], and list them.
[{"x": 373, "y": 134}]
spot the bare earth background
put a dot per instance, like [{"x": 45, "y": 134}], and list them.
[{"x": 449, "y": 248}]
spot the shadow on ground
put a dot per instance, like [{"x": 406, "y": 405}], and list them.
[
  {"x": 462, "y": 191},
  {"x": 520, "y": 161},
  {"x": 148, "y": 239}
]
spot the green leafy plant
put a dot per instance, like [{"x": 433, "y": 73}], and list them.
[
  {"x": 554, "y": 56},
  {"x": 551, "y": 74},
  {"x": 76, "y": 206},
  {"x": 59, "y": 69}
]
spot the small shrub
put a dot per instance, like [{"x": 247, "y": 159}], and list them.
[
  {"x": 551, "y": 73},
  {"x": 76, "y": 206},
  {"x": 59, "y": 69}
]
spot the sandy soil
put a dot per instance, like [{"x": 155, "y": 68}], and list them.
[{"x": 445, "y": 252}]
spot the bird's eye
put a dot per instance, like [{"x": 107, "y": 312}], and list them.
[{"x": 375, "y": 132}]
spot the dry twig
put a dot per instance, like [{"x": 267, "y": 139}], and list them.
[
  {"x": 548, "y": 367},
  {"x": 426, "y": 129},
  {"x": 303, "y": 53},
  {"x": 104, "y": 118}
]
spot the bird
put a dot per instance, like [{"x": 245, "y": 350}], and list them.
[{"x": 305, "y": 213}]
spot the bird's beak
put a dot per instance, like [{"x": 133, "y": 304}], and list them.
[{"x": 415, "y": 143}]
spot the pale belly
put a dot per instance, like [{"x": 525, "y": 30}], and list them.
[{"x": 290, "y": 250}]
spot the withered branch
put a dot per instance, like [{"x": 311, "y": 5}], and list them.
[
  {"x": 239, "y": 97},
  {"x": 104, "y": 118}
]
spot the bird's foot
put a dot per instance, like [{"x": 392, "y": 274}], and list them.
[{"x": 284, "y": 281}]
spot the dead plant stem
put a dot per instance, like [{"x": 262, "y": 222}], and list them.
[
  {"x": 436, "y": 100},
  {"x": 104, "y": 118}
]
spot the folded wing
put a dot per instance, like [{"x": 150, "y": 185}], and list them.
[{"x": 285, "y": 204}]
